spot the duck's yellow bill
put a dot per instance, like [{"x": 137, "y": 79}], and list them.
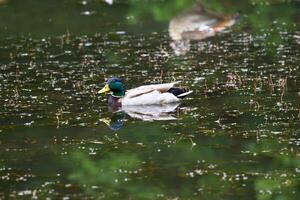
[{"x": 105, "y": 89}]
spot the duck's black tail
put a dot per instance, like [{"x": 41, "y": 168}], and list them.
[{"x": 179, "y": 92}]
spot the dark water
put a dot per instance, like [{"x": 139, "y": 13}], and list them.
[{"x": 236, "y": 137}]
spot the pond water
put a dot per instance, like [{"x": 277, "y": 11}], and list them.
[{"x": 236, "y": 136}]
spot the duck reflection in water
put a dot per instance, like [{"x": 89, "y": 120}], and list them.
[
  {"x": 119, "y": 115},
  {"x": 197, "y": 24}
]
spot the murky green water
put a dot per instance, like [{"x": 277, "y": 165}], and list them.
[{"x": 236, "y": 137}]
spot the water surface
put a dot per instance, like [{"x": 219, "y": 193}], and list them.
[{"x": 235, "y": 137}]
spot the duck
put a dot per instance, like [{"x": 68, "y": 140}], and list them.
[
  {"x": 195, "y": 24},
  {"x": 154, "y": 94}
]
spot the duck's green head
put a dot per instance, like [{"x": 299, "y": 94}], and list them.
[{"x": 115, "y": 86}]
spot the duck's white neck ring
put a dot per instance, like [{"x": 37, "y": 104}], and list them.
[{"x": 117, "y": 96}]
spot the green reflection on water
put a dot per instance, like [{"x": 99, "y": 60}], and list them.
[
  {"x": 139, "y": 167},
  {"x": 44, "y": 18}
]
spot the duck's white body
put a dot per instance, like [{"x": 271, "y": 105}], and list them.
[{"x": 151, "y": 95}]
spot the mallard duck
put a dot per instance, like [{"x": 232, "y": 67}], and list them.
[
  {"x": 197, "y": 24},
  {"x": 144, "y": 95}
]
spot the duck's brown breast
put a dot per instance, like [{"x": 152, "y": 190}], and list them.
[{"x": 113, "y": 101}]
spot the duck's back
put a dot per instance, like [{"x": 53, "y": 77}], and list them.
[
  {"x": 149, "y": 88},
  {"x": 152, "y": 98}
]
